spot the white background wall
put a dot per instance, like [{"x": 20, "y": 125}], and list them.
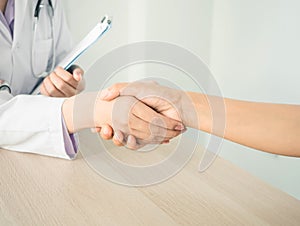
[
  {"x": 252, "y": 47},
  {"x": 255, "y": 55}
]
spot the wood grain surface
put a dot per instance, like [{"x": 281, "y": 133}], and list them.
[{"x": 38, "y": 190}]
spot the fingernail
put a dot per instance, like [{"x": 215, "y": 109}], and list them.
[
  {"x": 105, "y": 131},
  {"x": 119, "y": 136},
  {"x": 179, "y": 127},
  {"x": 166, "y": 141},
  {"x": 131, "y": 140},
  {"x": 77, "y": 76}
]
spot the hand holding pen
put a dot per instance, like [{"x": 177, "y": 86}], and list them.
[{"x": 63, "y": 83}]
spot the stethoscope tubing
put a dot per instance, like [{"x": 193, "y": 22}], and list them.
[{"x": 36, "y": 15}]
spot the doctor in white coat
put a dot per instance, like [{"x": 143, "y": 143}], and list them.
[
  {"x": 33, "y": 38},
  {"x": 34, "y": 123}
]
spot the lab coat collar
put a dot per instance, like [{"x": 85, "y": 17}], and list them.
[{"x": 20, "y": 10}]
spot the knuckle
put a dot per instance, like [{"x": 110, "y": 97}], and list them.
[
  {"x": 69, "y": 79},
  {"x": 43, "y": 91},
  {"x": 51, "y": 89},
  {"x": 47, "y": 80},
  {"x": 51, "y": 77},
  {"x": 58, "y": 69},
  {"x": 72, "y": 93},
  {"x": 60, "y": 84}
]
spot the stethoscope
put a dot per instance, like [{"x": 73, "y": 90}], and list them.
[{"x": 49, "y": 7}]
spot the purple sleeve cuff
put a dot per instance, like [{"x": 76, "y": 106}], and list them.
[{"x": 70, "y": 140}]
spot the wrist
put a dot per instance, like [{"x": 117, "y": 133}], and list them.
[
  {"x": 196, "y": 111},
  {"x": 67, "y": 113},
  {"x": 187, "y": 109},
  {"x": 86, "y": 111}
]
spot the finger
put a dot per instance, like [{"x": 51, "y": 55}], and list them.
[
  {"x": 143, "y": 88},
  {"x": 158, "y": 131},
  {"x": 66, "y": 76},
  {"x": 96, "y": 130},
  {"x": 106, "y": 132},
  {"x": 138, "y": 143},
  {"x": 142, "y": 143},
  {"x": 112, "y": 92},
  {"x": 61, "y": 85},
  {"x": 132, "y": 143},
  {"x": 51, "y": 89},
  {"x": 43, "y": 90},
  {"x": 81, "y": 86},
  {"x": 77, "y": 74},
  {"x": 116, "y": 90},
  {"x": 152, "y": 139},
  {"x": 155, "y": 135},
  {"x": 149, "y": 115},
  {"x": 118, "y": 138},
  {"x": 144, "y": 130}
]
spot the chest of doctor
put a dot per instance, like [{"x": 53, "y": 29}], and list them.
[{"x": 30, "y": 51}]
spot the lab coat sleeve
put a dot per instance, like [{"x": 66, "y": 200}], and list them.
[{"x": 32, "y": 124}]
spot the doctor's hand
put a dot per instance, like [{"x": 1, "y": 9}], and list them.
[
  {"x": 61, "y": 83},
  {"x": 135, "y": 123}
]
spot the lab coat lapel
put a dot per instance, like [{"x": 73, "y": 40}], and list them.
[
  {"x": 20, "y": 10},
  {"x": 5, "y": 32}
]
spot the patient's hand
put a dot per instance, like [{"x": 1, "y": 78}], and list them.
[{"x": 164, "y": 100}]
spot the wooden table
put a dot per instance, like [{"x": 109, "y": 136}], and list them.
[{"x": 38, "y": 190}]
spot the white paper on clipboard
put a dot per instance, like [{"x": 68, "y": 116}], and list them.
[
  {"x": 101, "y": 28},
  {"x": 85, "y": 43}
]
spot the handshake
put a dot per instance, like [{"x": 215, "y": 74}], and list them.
[
  {"x": 132, "y": 114},
  {"x": 140, "y": 113}
]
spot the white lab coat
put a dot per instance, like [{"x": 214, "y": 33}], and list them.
[{"x": 31, "y": 123}]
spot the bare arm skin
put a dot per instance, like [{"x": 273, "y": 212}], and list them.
[{"x": 273, "y": 128}]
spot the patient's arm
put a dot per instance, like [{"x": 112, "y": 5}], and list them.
[{"x": 268, "y": 127}]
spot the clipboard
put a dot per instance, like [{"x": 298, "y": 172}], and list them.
[{"x": 95, "y": 34}]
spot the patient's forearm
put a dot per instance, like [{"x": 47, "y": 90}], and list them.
[{"x": 272, "y": 128}]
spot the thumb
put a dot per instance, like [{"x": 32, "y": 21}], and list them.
[
  {"x": 112, "y": 92},
  {"x": 77, "y": 74}
]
